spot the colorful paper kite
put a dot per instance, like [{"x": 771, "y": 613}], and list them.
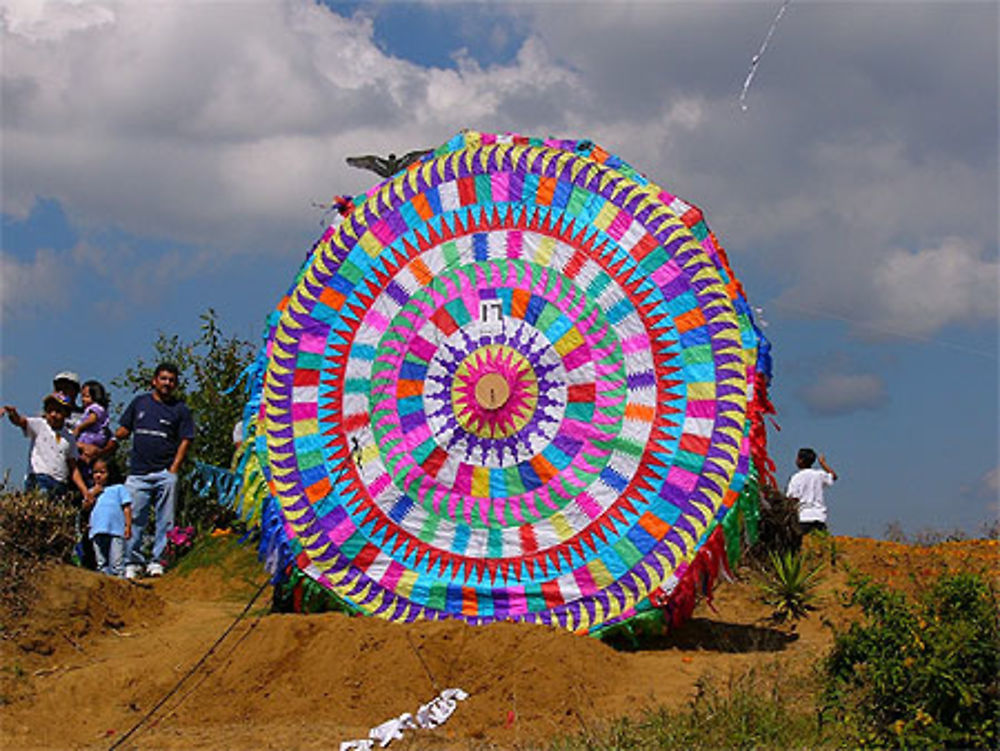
[{"x": 518, "y": 381}]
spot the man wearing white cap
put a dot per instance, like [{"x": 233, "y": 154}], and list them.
[{"x": 67, "y": 383}]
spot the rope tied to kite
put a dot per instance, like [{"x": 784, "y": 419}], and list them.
[{"x": 194, "y": 669}]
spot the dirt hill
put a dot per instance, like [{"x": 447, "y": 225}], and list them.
[{"x": 94, "y": 655}]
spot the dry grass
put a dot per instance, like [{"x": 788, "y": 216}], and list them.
[{"x": 34, "y": 531}]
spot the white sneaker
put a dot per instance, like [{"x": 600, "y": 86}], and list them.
[
  {"x": 154, "y": 569},
  {"x": 132, "y": 571}
]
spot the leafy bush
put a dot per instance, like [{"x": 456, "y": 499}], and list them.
[{"x": 920, "y": 674}]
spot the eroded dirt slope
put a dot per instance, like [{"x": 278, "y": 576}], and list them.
[{"x": 94, "y": 655}]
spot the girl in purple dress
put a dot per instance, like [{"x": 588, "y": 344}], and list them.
[{"x": 92, "y": 432}]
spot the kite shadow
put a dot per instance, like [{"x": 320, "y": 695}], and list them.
[{"x": 712, "y": 636}]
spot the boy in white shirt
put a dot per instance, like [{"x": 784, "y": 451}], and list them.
[
  {"x": 806, "y": 486},
  {"x": 53, "y": 454}
]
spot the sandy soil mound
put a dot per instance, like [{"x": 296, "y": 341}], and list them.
[
  {"x": 98, "y": 654},
  {"x": 74, "y": 605}
]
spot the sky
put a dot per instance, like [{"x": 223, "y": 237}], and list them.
[{"x": 163, "y": 158}]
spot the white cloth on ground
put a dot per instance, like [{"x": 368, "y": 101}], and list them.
[{"x": 430, "y": 715}]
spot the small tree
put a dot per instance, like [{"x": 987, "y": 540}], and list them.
[{"x": 210, "y": 366}]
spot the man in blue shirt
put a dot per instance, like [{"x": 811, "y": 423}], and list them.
[{"x": 162, "y": 429}]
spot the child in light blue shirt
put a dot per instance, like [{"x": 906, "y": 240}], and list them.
[{"x": 110, "y": 521}]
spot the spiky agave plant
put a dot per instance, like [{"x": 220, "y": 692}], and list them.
[{"x": 788, "y": 587}]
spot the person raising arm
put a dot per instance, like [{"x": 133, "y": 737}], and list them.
[
  {"x": 806, "y": 487},
  {"x": 52, "y": 454}
]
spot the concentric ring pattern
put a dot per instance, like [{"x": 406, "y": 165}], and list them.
[{"x": 512, "y": 384}]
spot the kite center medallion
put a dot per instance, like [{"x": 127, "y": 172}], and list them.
[
  {"x": 492, "y": 391},
  {"x": 495, "y": 392}
]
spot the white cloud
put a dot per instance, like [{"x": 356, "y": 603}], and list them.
[
  {"x": 32, "y": 286},
  {"x": 885, "y": 241},
  {"x": 217, "y": 124},
  {"x": 51, "y": 20},
  {"x": 990, "y": 482},
  {"x": 212, "y": 123},
  {"x": 922, "y": 292},
  {"x": 985, "y": 488},
  {"x": 835, "y": 394},
  {"x": 861, "y": 138}
]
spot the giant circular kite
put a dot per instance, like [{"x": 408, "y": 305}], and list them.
[{"x": 518, "y": 381}]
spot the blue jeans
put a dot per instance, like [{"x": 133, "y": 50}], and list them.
[
  {"x": 159, "y": 490},
  {"x": 45, "y": 483},
  {"x": 110, "y": 553}
]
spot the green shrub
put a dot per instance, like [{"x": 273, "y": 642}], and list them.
[
  {"x": 787, "y": 586},
  {"x": 919, "y": 674}
]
